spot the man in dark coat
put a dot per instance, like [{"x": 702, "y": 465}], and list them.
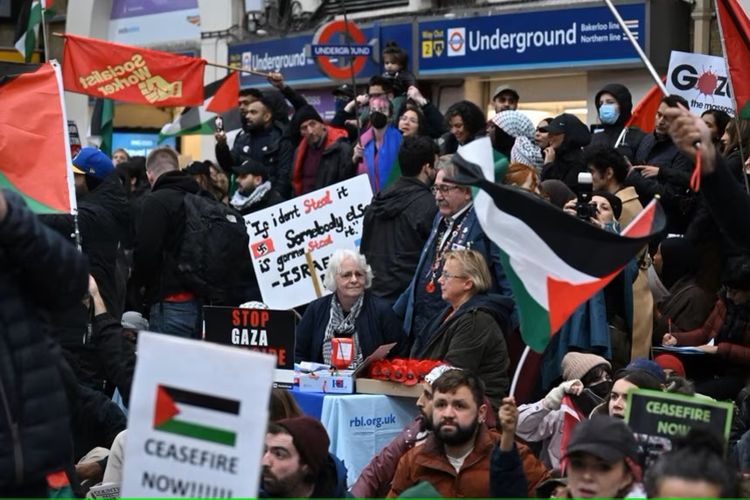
[
  {"x": 263, "y": 139},
  {"x": 661, "y": 169},
  {"x": 40, "y": 271},
  {"x": 399, "y": 220},
  {"x": 174, "y": 308}
]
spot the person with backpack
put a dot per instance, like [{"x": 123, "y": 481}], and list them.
[{"x": 187, "y": 248}]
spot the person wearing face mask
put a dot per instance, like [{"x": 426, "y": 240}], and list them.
[
  {"x": 377, "y": 152},
  {"x": 587, "y": 379},
  {"x": 614, "y": 105}
]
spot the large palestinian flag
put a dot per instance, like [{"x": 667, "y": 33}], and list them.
[
  {"x": 34, "y": 144},
  {"x": 220, "y": 99},
  {"x": 554, "y": 261},
  {"x": 734, "y": 24}
]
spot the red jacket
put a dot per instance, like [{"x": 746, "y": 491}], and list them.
[
  {"x": 335, "y": 164},
  {"x": 429, "y": 463},
  {"x": 734, "y": 353}
]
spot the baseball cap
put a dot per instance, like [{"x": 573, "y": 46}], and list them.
[
  {"x": 605, "y": 437},
  {"x": 92, "y": 161},
  {"x": 505, "y": 88},
  {"x": 198, "y": 168},
  {"x": 344, "y": 90},
  {"x": 252, "y": 167}
]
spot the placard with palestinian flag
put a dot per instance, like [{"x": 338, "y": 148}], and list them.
[
  {"x": 554, "y": 261},
  {"x": 193, "y": 422}
]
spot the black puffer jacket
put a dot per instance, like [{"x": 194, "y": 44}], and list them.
[
  {"x": 38, "y": 269},
  {"x": 158, "y": 234},
  {"x": 397, "y": 224},
  {"x": 609, "y": 134}
]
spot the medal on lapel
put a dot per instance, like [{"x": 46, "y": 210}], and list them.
[{"x": 430, "y": 286}]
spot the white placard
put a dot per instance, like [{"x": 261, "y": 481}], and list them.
[
  {"x": 196, "y": 424},
  {"x": 701, "y": 80},
  {"x": 319, "y": 222}
]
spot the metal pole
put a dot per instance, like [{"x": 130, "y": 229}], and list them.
[
  {"x": 351, "y": 67},
  {"x": 637, "y": 48},
  {"x": 44, "y": 32}
]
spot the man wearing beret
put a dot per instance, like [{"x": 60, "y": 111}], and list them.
[{"x": 296, "y": 462}]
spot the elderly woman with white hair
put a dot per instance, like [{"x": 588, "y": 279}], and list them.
[{"x": 350, "y": 311}]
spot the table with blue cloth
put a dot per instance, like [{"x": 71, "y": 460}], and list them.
[{"x": 359, "y": 425}]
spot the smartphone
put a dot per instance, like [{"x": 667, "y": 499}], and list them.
[{"x": 219, "y": 124}]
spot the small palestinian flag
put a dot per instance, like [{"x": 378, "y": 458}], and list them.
[
  {"x": 554, "y": 261},
  {"x": 184, "y": 412}
]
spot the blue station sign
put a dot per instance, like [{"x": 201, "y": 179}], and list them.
[{"x": 583, "y": 36}]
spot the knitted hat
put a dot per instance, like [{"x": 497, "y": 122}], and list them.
[
  {"x": 311, "y": 440},
  {"x": 577, "y": 364},
  {"x": 92, "y": 161},
  {"x": 525, "y": 151},
  {"x": 514, "y": 123},
  {"x": 198, "y": 168},
  {"x": 648, "y": 366},
  {"x": 305, "y": 113},
  {"x": 670, "y": 362},
  {"x": 133, "y": 320}
]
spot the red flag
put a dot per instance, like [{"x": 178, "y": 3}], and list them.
[
  {"x": 34, "y": 145},
  {"x": 132, "y": 74},
  {"x": 735, "y": 29},
  {"x": 225, "y": 97},
  {"x": 644, "y": 112}
]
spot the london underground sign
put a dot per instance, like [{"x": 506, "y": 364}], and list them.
[{"x": 327, "y": 48}]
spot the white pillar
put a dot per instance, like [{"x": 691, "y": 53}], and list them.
[{"x": 87, "y": 18}]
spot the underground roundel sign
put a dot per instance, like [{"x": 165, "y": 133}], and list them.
[{"x": 339, "y": 41}]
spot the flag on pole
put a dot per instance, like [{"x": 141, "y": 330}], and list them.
[
  {"x": 221, "y": 95},
  {"x": 101, "y": 123},
  {"x": 34, "y": 144},
  {"x": 644, "y": 112},
  {"x": 131, "y": 74},
  {"x": 27, "y": 29},
  {"x": 734, "y": 25},
  {"x": 555, "y": 262}
]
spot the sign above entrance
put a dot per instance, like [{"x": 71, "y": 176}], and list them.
[
  {"x": 585, "y": 36},
  {"x": 335, "y": 57}
]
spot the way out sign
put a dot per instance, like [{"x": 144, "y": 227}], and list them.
[
  {"x": 197, "y": 419},
  {"x": 340, "y": 48}
]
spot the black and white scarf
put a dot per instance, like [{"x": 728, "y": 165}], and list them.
[
  {"x": 240, "y": 201},
  {"x": 340, "y": 325}
]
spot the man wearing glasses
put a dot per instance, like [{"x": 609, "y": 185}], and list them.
[{"x": 455, "y": 228}]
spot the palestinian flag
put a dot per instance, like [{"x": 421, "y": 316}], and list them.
[
  {"x": 734, "y": 25},
  {"x": 35, "y": 146},
  {"x": 195, "y": 415},
  {"x": 27, "y": 30},
  {"x": 554, "y": 261},
  {"x": 220, "y": 99},
  {"x": 101, "y": 123}
]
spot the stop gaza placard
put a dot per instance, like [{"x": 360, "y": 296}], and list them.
[
  {"x": 702, "y": 80},
  {"x": 196, "y": 421}
]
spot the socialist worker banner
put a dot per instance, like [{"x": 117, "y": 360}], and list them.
[{"x": 131, "y": 74}]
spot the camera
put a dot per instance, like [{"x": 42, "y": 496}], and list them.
[{"x": 585, "y": 208}]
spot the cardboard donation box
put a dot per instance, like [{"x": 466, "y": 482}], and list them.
[{"x": 374, "y": 386}]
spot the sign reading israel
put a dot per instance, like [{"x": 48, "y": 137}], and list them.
[
  {"x": 193, "y": 421},
  {"x": 542, "y": 39}
]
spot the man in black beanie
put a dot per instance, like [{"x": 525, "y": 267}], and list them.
[
  {"x": 323, "y": 157},
  {"x": 296, "y": 463}
]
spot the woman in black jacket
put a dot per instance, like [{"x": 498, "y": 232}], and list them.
[{"x": 563, "y": 159}]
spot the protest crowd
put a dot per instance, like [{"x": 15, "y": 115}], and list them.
[{"x": 158, "y": 243}]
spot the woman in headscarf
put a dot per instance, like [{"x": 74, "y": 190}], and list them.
[{"x": 513, "y": 136}]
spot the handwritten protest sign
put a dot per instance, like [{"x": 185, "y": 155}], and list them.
[
  {"x": 702, "y": 80},
  {"x": 262, "y": 330},
  {"x": 292, "y": 242},
  {"x": 193, "y": 421},
  {"x": 658, "y": 417}
]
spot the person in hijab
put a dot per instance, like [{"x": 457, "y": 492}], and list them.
[{"x": 513, "y": 136}]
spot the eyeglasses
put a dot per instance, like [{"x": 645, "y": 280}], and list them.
[
  {"x": 448, "y": 276},
  {"x": 443, "y": 188}
]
